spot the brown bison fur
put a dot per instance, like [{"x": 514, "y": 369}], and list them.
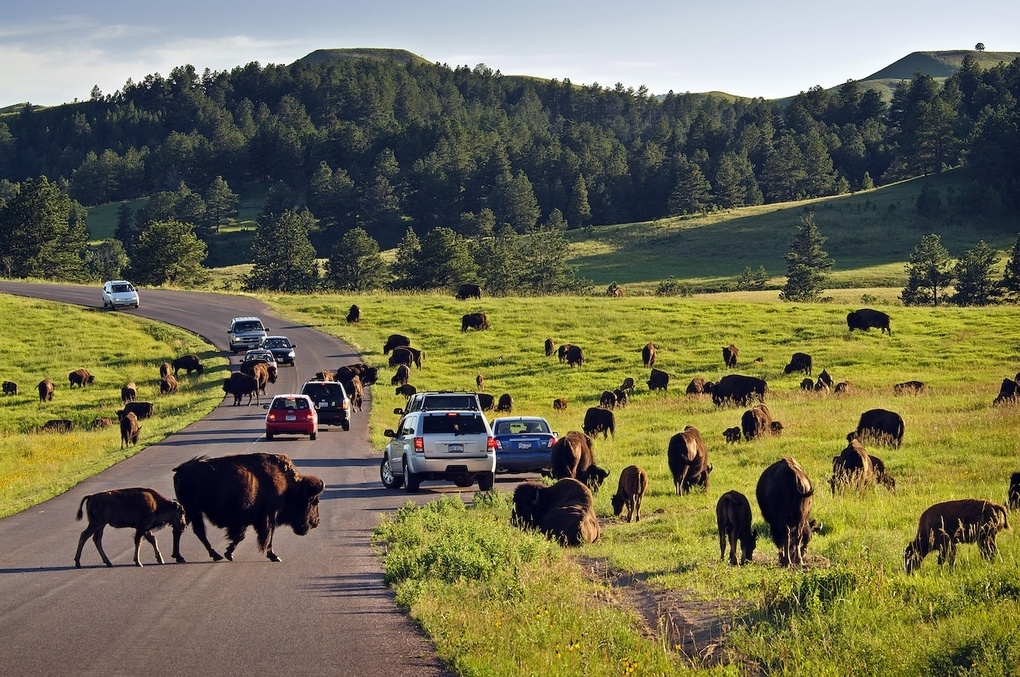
[
  {"x": 598, "y": 420},
  {"x": 406, "y": 355},
  {"x": 322, "y": 375},
  {"x": 164, "y": 369},
  {"x": 628, "y": 384},
  {"x": 401, "y": 376},
  {"x": 658, "y": 380},
  {"x": 486, "y": 401},
  {"x": 139, "y": 409},
  {"x": 807, "y": 384},
  {"x": 550, "y": 347},
  {"x": 729, "y": 354},
  {"x": 100, "y": 423},
  {"x": 561, "y": 352},
  {"x": 866, "y": 318},
  {"x": 739, "y": 389},
  {"x": 648, "y": 355},
  {"x": 688, "y": 460},
  {"x": 843, "y": 387},
  {"x": 1013, "y": 495},
  {"x": 356, "y": 391},
  {"x": 505, "y": 404},
  {"x": 573, "y": 456},
  {"x": 799, "y": 362},
  {"x": 882, "y": 426},
  {"x": 733, "y": 516},
  {"x": 57, "y": 425},
  {"x": 129, "y": 428},
  {"x": 168, "y": 385},
  {"x": 1009, "y": 391},
  {"x": 575, "y": 356},
  {"x": 234, "y": 492},
  {"x": 189, "y": 363},
  {"x": 756, "y": 422},
  {"x": 406, "y": 390},
  {"x": 468, "y": 291},
  {"x": 912, "y": 387},
  {"x": 354, "y": 314},
  {"x": 10, "y": 388},
  {"x": 629, "y": 492},
  {"x": 784, "y": 495},
  {"x": 608, "y": 399},
  {"x": 395, "y": 341},
  {"x": 479, "y": 382},
  {"x": 775, "y": 428},
  {"x": 699, "y": 386},
  {"x": 881, "y": 476},
  {"x": 46, "y": 389},
  {"x": 80, "y": 378},
  {"x": 128, "y": 392},
  {"x": 239, "y": 385},
  {"x": 564, "y": 511},
  {"x": 852, "y": 468},
  {"x": 944, "y": 525},
  {"x": 560, "y": 404},
  {"x": 259, "y": 370},
  {"x": 731, "y": 435},
  {"x": 474, "y": 321},
  {"x": 144, "y": 510}
]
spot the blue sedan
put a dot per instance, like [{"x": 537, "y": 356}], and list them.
[{"x": 523, "y": 444}]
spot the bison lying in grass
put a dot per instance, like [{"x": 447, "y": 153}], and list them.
[
  {"x": 145, "y": 510},
  {"x": 565, "y": 511}
]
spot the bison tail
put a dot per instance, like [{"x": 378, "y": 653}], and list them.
[{"x": 82, "y": 505}]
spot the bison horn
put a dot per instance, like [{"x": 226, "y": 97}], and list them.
[{"x": 313, "y": 485}]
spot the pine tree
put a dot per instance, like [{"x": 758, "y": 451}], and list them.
[
  {"x": 168, "y": 252},
  {"x": 928, "y": 273},
  {"x": 1011, "y": 278},
  {"x": 220, "y": 203},
  {"x": 355, "y": 263},
  {"x": 973, "y": 273},
  {"x": 282, "y": 254},
  {"x": 405, "y": 266},
  {"x": 808, "y": 264},
  {"x": 692, "y": 192}
]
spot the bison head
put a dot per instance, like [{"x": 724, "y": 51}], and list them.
[
  {"x": 301, "y": 505},
  {"x": 595, "y": 477},
  {"x": 529, "y": 506}
]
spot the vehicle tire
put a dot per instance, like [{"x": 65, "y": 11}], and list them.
[
  {"x": 346, "y": 425},
  {"x": 312, "y": 436},
  {"x": 269, "y": 437},
  {"x": 485, "y": 481},
  {"x": 464, "y": 480},
  {"x": 411, "y": 480},
  {"x": 389, "y": 480}
]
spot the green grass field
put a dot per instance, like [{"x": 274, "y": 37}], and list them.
[{"x": 852, "y": 611}]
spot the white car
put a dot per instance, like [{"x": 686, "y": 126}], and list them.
[
  {"x": 261, "y": 354},
  {"x": 119, "y": 294}
]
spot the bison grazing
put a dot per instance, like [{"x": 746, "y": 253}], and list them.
[
  {"x": 561, "y": 352},
  {"x": 560, "y": 404},
  {"x": 825, "y": 381},
  {"x": 733, "y": 516},
  {"x": 853, "y": 468},
  {"x": 406, "y": 355},
  {"x": 406, "y": 390},
  {"x": 598, "y": 420},
  {"x": 10, "y": 388},
  {"x": 731, "y": 435},
  {"x": 699, "y": 386},
  {"x": 799, "y": 362},
  {"x": 45, "y": 390},
  {"x": 469, "y": 291},
  {"x": 882, "y": 426},
  {"x": 474, "y": 321},
  {"x": 630, "y": 491},
  {"x": 628, "y": 384},
  {"x": 189, "y": 363},
  {"x": 911, "y": 387},
  {"x": 145, "y": 510},
  {"x": 234, "y": 492},
  {"x": 550, "y": 347},
  {"x": 621, "y": 397},
  {"x": 573, "y": 456},
  {"x": 1009, "y": 391},
  {"x": 843, "y": 387},
  {"x": 240, "y": 385},
  {"x": 648, "y": 355},
  {"x": 129, "y": 428},
  {"x": 739, "y": 389},
  {"x": 505, "y": 404},
  {"x": 866, "y": 318},
  {"x": 575, "y": 356},
  {"x": 757, "y": 421},
  {"x": 168, "y": 385},
  {"x": 944, "y": 525},
  {"x": 57, "y": 425},
  {"x": 658, "y": 380},
  {"x": 729, "y": 356},
  {"x": 128, "y": 392},
  {"x": 80, "y": 378},
  {"x": 395, "y": 341},
  {"x": 784, "y": 495},
  {"x": 807, "y": 384},
  {"x": 607, "y": 399},
  {"x": 100, "y": 423},
  {"x": 486, "y": 401},
  {"x": 688, "y": 460},
  {"x": 565, "y": 511},
  {"x": 1013, "y": 495},
  {"x": 354, "y": 314},
  {"x": 402, "y": 376},
  {"x": 139, "y": 409}
]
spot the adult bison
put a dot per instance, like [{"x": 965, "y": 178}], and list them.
[
  {"x": 853, "y": 467},
  {"x": 128, "y": 392},
  {"x": 354, "y": 314},
  {"x": 406, "y": 355},
  {"x": 129, "y": 428},
  {"x": 505, "y": 403},
  {"x": 486, "y": 401},
  {"x": 188, "y": 363},
  {"x": 560, "y": 404},
  {"x": 139, "y": 409},
  {"x": 699, "y": 386},
  {"x": 944, "y": 525},
  {"x": 729, "y": 356},
  {"x": 565, "y": 511},
  {"x": 81, "y": 378},
  {"x": 1013, "y": 493},
  {"x": 401, "y": 376},
  {"x": 598, "y": 420},
  {"x": 1009, "y": 391},
  {"x": 395, "y": 341},
  {"x": 262, "y": 491},
  {"x": 573, "y": 456},
  {"x": 688, "y": 460},
  {"x": 260, "y": 371},
  {"x": 46, "y": 389},
  {"x": 909, "y": 387},
  {"x": 608, "y": 399},
  {"x": 881, "y": 425},
  {"x": 468, "y": 291},
  {"x": 240, "y": 385},
  {"x": 168, "y": 385},
  {"x": 757, "y": 422},
  {"x": 474, "y": 321},
  {"x": 648, "y": 355},
  {"x": 784, "y": 495},
  {"x": 658, "y": 380},
  {"x": 733, "y": 517},
  {"x": 866, "y": 318},
  {"x": 550, "y": 347},
  {"x": 739, "y": 389},
  {"x": 799, "y": 362},
  {"x": 561, "y": 352},
  {"x": 575, "y": 356}
]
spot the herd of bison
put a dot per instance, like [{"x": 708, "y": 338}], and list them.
[{"x": 265, "y": 490}]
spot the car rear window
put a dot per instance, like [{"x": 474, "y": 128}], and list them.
[
  {"x": 519, "y": 427},
  {"x": 438, "y": 402},
  {"x": 334, "y": 390},
  {"x": 277, "y": 343},
  {"x": 457, "y": 424},
  {"x": 290, "y": 403}
]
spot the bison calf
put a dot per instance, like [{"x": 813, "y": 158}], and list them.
[
  {"x": 143, "y": 509},
  {"x": 630, "y": 491},
  {"x": 944, "y": 525},
  {"x": 129, "y": 428},
  {"x": 560, "y": 404},
  {"x": 732, "y": 435},
  {"x": 733, "y": 515},
  {"x": 1014, "y": 491},
  {"x": 10, "y": 388}
]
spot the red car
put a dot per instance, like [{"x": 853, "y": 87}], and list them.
[{"x": 291, "y": 414}]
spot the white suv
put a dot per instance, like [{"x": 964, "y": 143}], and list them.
[
  {"x": 455, "y": 446},
  {"x": 119, "y": 294}
]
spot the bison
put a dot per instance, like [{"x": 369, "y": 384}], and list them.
[
  {"x": 145, "y": 510},
  {"x": 699, "y": 386},
  {"x": 234, "y": 492},
  {"x": 912, "y": 387},
  {"x": 799, "y": 362},
  {"x": 629, "y": 492},
  {"x": 729, "y": 356},
  {"x": 733, "y": 516},
  {"x": 486, "y": 401},
  {"x": 354, "y": 314},
  {"x": 164, "y": 369},
  {"x": 648, "y": 355},
  {"x": 807, "y": 384},
  {"x": 866, "y": 318},
  {"x": 505, "y": 404},
  {"x": 10, "y": 388},
  {"x": 621, "y": 397},
  {"x": 944, "y": 525},
  {"x": 739, "y": 389},
  {"x": 573, "y": 456},
  {"x": 474, "y": 321},
  {"x": 468, "y": 291},
  {"x": 757, "y": 421},
  {"x": 128, "y": 392},
  {"x": 1013, "y": 495},
  {"x": 784, "y": 495},
  {"x": 561, "y": 352},
  {"x": 100, "y": 423},
  {"x": 139, "y": 409},
  {"x": 406, "y": 390},
  {"x": 598, "y": 420},
  {"x": 607, "y": 399},
  {"x": 825, "y": 381},
  {"x": 843, "y": 387},
  {"x": 628, "y": 384},
  {"x": 731, "y": 435},
  {"x": 564, "y": 511},
  {"x": 239, "y": 385},
  {"x": 688, "y": 460},
  {"x": 479, "y": 382},
  {"x": 406, "y": 355},
  {"x": 57, "y": 425},
  {"x": 882, "y": 426},
  {"x": 550, "y": 347},
  {"x": 46, "y": 389},
  {"x": 260, "y": 371},
  {"x": 81, "y": 378},
  {"x": 188, "y": 363},
  {"x": 560, "y": 404},
  {"x": 129, "y": 428},
  {"x": 575, "y": 356},
  {"x": 658, "y": 380},
  {"x": 401, "y": 376},
  {"x": 355, "y": 390},
  {"x": 1009, "y": 391},
  {"x": 395, "y": 341},
  {"x": 853, "y": 467},
  {"x": 168, "y": 385}
]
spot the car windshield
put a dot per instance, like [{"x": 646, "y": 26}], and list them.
[
  {"x": 458, "y": 424},
  {"x": 290, "y": 403},
  {"x": 121, "y": 288},
  {"x": 277, "y": 343},
  {"x": 521, "y": 427},
  {"x": 247, "y": 326}
]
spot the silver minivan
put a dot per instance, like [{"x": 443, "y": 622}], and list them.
[{"x": 452, "y": 446}]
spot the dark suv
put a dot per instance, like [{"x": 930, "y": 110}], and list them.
[{"x": 331, "y": 402}]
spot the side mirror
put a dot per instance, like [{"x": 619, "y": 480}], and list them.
[
  {"x": 398, "y": 411},
  {"x": 265, "y": 406},
  {"x": 389, "y": 433}
]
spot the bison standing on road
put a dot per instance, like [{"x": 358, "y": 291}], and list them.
[
  {"x": 81, "y": 378},
  {"x": 784, "y": 495},
  {"x": 799, "y": 362},
  {"x": 565, "y": 511},
  {"x": 688, "y": 460},
  {"x": 866, "y": 318},
  {"x": 881, "y": 425},
  {"x": 944, "y": 525},
  {"x": 143, "y": 509},
  {"x": 234, "y": 492},
  {"x": 189, "y": 363},
  {"x": 129, "y": 428},
  {"x": 629, "y": 492},
  {"x": 729, "y": 356},
  {"x": 474, "y": 321},
  {"x": 46, "y": 390},
  {"x": 733, "y": 517},
  {"x": 739, "y": 389},
  {"x": 468, "y": 291},
  {"x": 240, "y": 385},
  {"x": 648, "y": 355}
]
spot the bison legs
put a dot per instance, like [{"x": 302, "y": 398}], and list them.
[
  {"x": 147, "y": 535},
  {"x": 97, "y": 538},
  {"x": 198, "y": 524}
]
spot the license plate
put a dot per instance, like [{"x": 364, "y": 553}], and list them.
[
  {"x": 524, "y": 445},
  {"x": 292, "y": 418},
  {"x": 455, "y": 447}
]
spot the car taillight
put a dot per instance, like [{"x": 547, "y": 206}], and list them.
[
  {"x": 499, "y": 445},
  {"x": 309, "y": 415},
  {"x": 492, "y": 444},
  {"x": 419, "y": 445},
  {"x": 552, "y": 442},
  {"x": 343, "y": 405},
  {"x": 272, "y": 416}
]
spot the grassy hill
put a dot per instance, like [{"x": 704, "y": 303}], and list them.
[{"x": 939, "y": 65}]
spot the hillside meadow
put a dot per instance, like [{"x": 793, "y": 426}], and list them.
[
  {"x": 45, "y": 339},
  {"x": 497, "y": 601}
]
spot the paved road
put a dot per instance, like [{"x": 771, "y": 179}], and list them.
[{"x": 323, "y": 611}]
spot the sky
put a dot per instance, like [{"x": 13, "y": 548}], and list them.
[{"x": 56, "y": 51}]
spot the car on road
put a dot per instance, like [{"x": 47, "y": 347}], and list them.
[
  {"x": 281, "y": 347},
  {"x": 266, "y": 356},
  {"x": 246, "y": 333},
  {"x": 291, "y": 414},
  {"x": 119, "y": 294},
  {"x": 331, "y": 402},
  {"x": 523, "y": 444},
  {"x": 454, "y": 446}
]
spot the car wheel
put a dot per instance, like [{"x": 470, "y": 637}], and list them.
[
  {"x": 485, "y": 481},
  {"x": 411, "y": 480},
  {"x": 346, "y": 425},
  {"x": 269, "y": 437},
  {"x": 464, "y": 480},
  {"x": 311, "y": 436},
  {"x": 389, "y": 480}
]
